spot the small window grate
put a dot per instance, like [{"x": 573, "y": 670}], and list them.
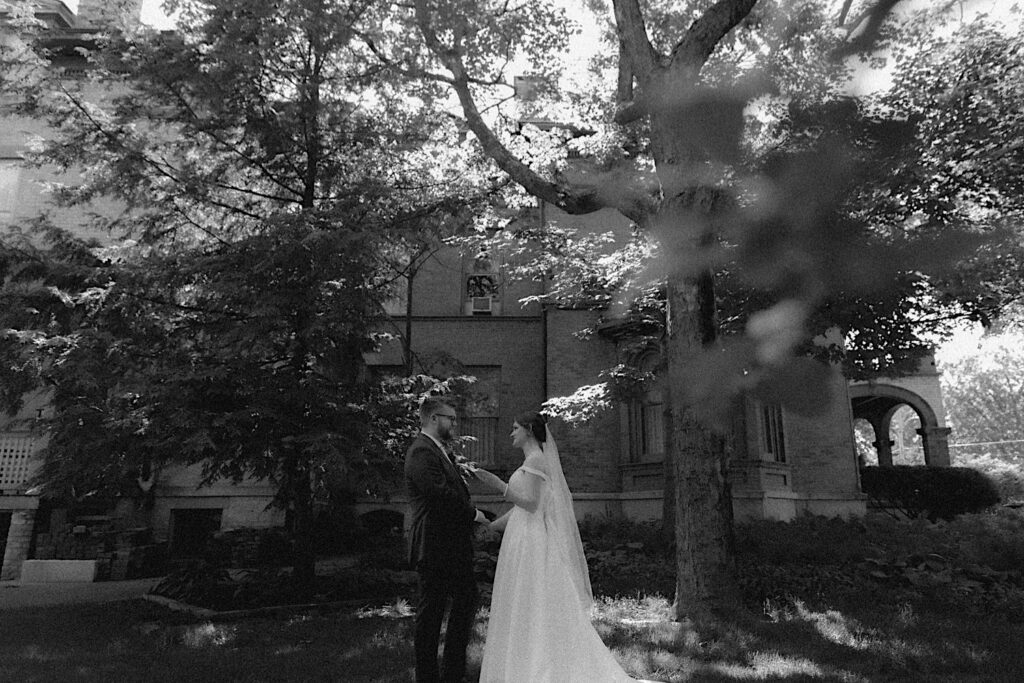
[{"x": 16, "y": 451}]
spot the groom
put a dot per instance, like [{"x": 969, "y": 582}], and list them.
[{"x": 440, "y": 546}]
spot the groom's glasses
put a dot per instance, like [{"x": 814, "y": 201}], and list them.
[{"x": 453, "y": 418}]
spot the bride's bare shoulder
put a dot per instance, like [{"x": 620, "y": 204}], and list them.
[{"x": 535, "y": 461}]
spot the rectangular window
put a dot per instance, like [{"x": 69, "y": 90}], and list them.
[
  {"x": 479, "y": 409},
  {"x": 10, "y": 178},
  {"x": 647, "y": 431},
  {"x": 773, "y": 438},
  {"x": 484, "y": 430}
]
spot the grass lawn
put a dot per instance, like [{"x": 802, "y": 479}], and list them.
[{"x": 139, "y": 641}]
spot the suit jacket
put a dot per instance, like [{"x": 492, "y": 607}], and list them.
[{"x": 441, "y": 533}]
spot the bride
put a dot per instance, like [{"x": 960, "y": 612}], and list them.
[{"x": 539, "y": 628}]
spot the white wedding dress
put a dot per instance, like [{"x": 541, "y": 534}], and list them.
[{"x": 539, "y": 629}]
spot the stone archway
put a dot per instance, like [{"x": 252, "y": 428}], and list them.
[{"x": 877, "y": 403}]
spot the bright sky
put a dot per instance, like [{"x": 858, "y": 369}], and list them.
[
  {"x": 868, "y": 80},
  {"x": 151, "y": 13},
  {"x": 154, "y": 16}
]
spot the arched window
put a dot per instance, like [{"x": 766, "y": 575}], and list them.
[
  {"x": 864, "y": 439},
  {"x": 905, "y": 435}
]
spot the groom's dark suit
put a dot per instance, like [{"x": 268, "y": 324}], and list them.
[{"x": 441, "y": 550}]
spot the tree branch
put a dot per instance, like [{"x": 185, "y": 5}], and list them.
[
  {"x": 224, "y": 143},
  {"x": 844, "y": 12},
  {"x": 633, "y": 41},
  {"x": 706, "y": 32},
  {"x": 871, "y": 19},
  {"x": 570, "y": 201},
  {"x": 394, "y": 66}
]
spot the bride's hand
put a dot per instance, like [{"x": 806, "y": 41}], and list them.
[{"x": 490, "y": 479}]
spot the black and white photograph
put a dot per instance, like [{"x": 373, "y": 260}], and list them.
[{"x": 511, "y": 341}]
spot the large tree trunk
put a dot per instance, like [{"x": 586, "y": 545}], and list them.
[
  {"x": 668, "y": 496},
  {"x": 304, "y": 549},
  {"x": 701, "y": 498},
  {"x": 702, "y": 501}
]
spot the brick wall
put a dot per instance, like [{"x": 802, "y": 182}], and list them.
[
  {"x": 510, "y": 346},
  {"x": 590, "y": 453},
  {"x": 439, "y": 287}
]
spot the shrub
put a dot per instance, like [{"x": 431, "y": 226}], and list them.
[
  {"x": 625, "y": 558},
  {"x": 630, "y": 572},
  {"x": 608, "y": 532},
  {"x": 337, "y": 529},
  {"x": 971, "y": 564},
  {"x": 1007, "y": 474},
  {"x": 935, "y": 492},
  {"x": 994, "y": 539},
  {"x": 197, "y": 583},
  {"x": 250, "y": 547},
  {"x": 628, "y": 558},
  {"x": 210, "y": 586}
]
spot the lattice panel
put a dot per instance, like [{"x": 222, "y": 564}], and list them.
[{"x": 16, "y": 451}]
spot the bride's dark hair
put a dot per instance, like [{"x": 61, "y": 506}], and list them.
[{"x": 535, "y": 422}]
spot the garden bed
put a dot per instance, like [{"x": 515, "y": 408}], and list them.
[
  {"x": 971, "y": 565},
  {"x": 214, "y": 589}
]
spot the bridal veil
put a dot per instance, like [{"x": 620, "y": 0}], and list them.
[{"x": 560, "y": 520}]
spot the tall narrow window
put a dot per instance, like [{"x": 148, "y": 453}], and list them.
[
  {"x": 773, "y": 438},
  {"x": 647, "y": 418},
  {"x": 480, "y": 416},
  {"x": 10, "y": 175}
]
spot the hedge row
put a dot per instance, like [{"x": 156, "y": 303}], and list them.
[{"x": 934, "y": 492}]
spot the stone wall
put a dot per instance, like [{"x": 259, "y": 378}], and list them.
[
  {"x": 120, "y": 553},
  {"x": 19, "y": 540},
  {"x": 242, "y": 504},
  {"x": 820, "y": 448}
]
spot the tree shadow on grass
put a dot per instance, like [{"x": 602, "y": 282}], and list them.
[
  {"x": 884, "y": 643},
  {"x": 793, "y": 642}
]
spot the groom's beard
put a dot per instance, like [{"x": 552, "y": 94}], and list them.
[{"x": 444, "y": 433}]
